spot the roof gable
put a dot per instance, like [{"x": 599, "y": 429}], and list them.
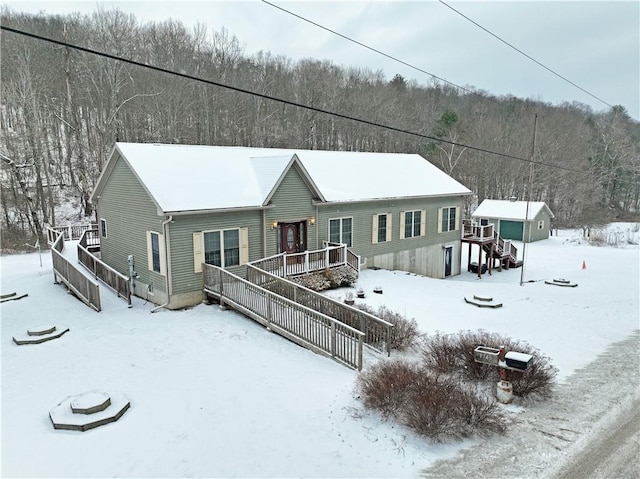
[
  {"x": 510, "y": 210},
  {"x": 185, "y": 178}
]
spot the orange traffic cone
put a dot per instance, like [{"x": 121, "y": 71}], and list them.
[{"x": 584, "y": 265}]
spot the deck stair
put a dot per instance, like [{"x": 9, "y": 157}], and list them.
[{"x": 492, "y": 244}]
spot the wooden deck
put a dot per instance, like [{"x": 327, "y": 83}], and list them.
[{"x": 492, "y": 245}]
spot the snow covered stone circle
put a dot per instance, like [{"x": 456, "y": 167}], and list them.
[{"x": 89, "y": 410}]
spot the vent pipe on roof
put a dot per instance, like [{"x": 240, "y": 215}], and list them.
[{"x": 513, "y": 199}]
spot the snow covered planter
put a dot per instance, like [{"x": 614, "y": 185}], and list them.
[{"x": 434, "y": 406}]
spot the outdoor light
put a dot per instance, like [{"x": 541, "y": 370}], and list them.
[
  {"x": 312, "y": 221},
  {"x": 274, "y": 225}
]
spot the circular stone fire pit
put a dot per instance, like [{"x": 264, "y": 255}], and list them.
[
  {"x": 88, "y": 410},
  {"x": 39, "y": 334}
]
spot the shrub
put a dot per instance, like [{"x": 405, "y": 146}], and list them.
[
  {"x": 431, "y": 405},
  {"x": 453, "y": 353},
  {"x": 405, "y": 333},
  {"x": 340, "y": 276},
  {"x": 313, "y": 281}
]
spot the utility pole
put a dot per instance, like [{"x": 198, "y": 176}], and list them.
[{"x": 530, "y": 188}]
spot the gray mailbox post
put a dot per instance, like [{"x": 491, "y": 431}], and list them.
[{"x": 506, "y": 362}]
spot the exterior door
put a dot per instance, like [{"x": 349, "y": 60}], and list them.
[
  {"x": 290, "y": 238},
  {"x": 448, "y": 260}
]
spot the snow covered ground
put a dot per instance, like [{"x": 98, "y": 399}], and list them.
[{"x": 214, "y": 394}]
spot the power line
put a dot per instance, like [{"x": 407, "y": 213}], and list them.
[
  {"x": 391, "y": 57},
  {"x": 523, "y": 53},
  {"x": 280, "y": 100}
]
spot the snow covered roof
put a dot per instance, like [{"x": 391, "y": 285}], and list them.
[
  {"x": 509, "y": 210},
  {"x": 191, "y": 178}
]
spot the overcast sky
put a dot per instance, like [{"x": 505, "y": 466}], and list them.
[{"x": 594, "y": 44}]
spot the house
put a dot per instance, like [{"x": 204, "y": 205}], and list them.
[
  {"x": 163, "y": 210},
  {"x": 516, "y": 220}
]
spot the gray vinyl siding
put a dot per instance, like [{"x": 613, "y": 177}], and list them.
[
  {"x": 292, "y": 201},
  {"x": 181, "y": 230},
  {"x": 422, "y": 254},
  {"x": 129, "y": 213}
]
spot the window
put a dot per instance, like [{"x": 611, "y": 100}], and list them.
[
  {"x": 412, "y": 223},
  {"x": 448, "y": 219},
  {"x": 381, "y": 228},
  {"x": 541, "y": 224},
  {"x": 155, "y": 252},
  {"x": 221, "y": 248},
  {"x": 340, "y": 230},
  {"x": 103, "y": 227}
]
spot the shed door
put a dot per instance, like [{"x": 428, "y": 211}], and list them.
[{"x": 511, "y": 229}]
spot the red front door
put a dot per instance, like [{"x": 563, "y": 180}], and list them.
[{"x": 290, "y": 238}]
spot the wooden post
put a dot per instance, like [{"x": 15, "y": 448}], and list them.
[{"x": 333, "y": 339}]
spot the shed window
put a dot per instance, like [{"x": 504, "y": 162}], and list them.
[
  {"x": 541, "y": 224},
  {"x": 340, "y": 230}
]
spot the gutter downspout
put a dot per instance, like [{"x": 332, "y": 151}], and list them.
[{"x": 167, "y": 255}]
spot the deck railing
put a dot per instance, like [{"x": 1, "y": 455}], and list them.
[
  {"x": 377, "y": 332},
  {"x": 70, "y": 275},
  {"x": 473, "y": 230},
  {"x": 304, "y": 326},
  {"x": 70, "y": 232},
  {"x": 105, "y": 273},
  {"x": 293, "y": 264}
]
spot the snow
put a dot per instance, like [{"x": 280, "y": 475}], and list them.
[
  {"x": 213, "y": 394},
  {"x": 179, "y": 177},
  {"x": 509, "y": 210}
]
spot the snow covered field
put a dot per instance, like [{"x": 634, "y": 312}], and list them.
[{"x": 214, "y": 394}]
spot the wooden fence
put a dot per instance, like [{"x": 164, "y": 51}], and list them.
[
  {"x": 304, "y": 326},
  {"x": 90, "y": 241},
  {"x": 377, "y": 332},
  {"x": 72, "y": 277}
]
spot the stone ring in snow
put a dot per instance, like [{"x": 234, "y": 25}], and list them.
[
  {"x": 39, "y": 334},
  {"x": 89, "y": 410}
]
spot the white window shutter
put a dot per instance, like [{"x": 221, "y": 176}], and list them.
[
  {"x": 198, "y": 253},
  {"x": 374, "y": 230},
  {"x": 389, "y": 229},
  {"x": 457, "y": 218},
  {"x": 423, "y": 222},
  {"x": 244, "y": 245},
  {"x": 163, "y": 255},
  {"x": 439, "y": 220},
  {"x": 402, "y": 225},
  {"x": 149, "y": 252}
]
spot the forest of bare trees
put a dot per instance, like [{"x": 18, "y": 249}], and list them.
[{"x": 63, "y": 109}]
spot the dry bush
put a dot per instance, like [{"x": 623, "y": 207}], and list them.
[
  {"x": 313, "y": 281},
  {"x": 385, "y": 386},
  {"x": 405, "y": 333},
  {"x": 434, "y": 406},
  {"x": 453, "y": 353},
  {"x": 443, "y": 409},
  {"x": 340, "y": 276}
]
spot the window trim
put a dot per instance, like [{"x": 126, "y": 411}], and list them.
[
  {"x": 341, "y": 219},
  {"x": 423, "y": 223},
  {"x": 103, "y": 228},
  {"x": 199, "y": 251},
  {"x": 375, "y": 231},
  {"x": 456, "y": 225},
  {"x": 161, "y": 253}
]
